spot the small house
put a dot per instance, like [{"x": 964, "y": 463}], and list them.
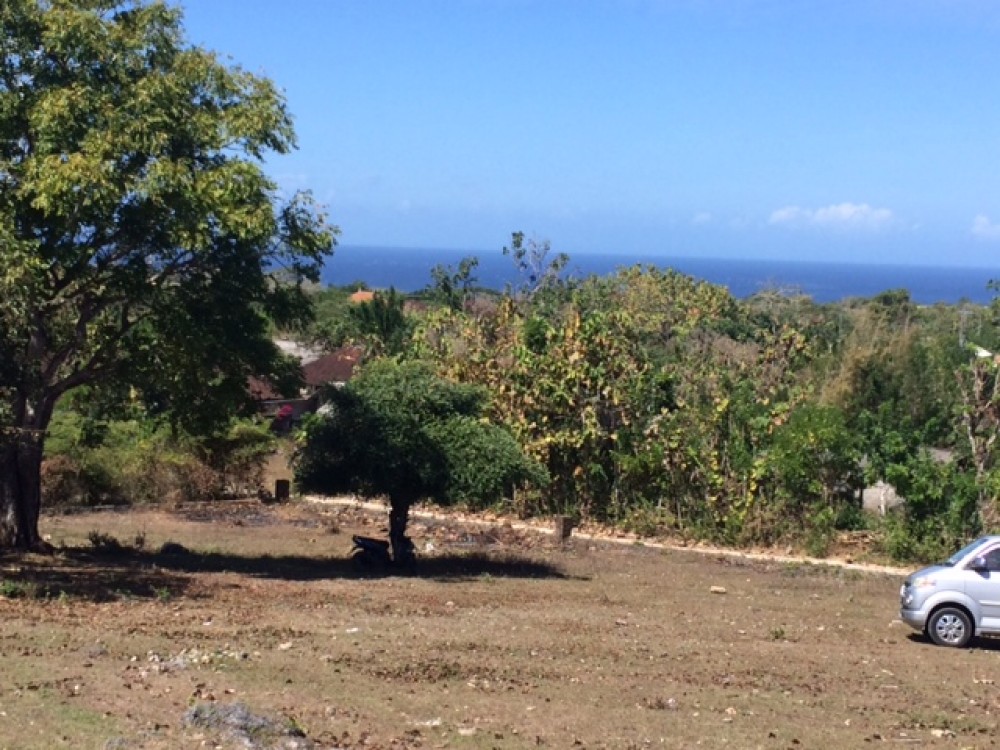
[{"x": 335, "y": 368}]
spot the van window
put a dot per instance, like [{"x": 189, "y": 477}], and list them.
[{"x": 993, "y": 560}]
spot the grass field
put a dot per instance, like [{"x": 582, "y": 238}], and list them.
[{"x": 241, "y": 625}]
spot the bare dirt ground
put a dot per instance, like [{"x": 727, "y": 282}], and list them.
[{"x": 240, "y": 625}]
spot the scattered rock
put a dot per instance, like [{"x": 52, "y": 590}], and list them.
[
  {"x": 237, "y": 723},
  {"x": 96, "y": 650},
  {"x": 660, "y": 704}
]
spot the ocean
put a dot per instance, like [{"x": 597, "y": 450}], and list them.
[{"x": 408, "y": 270}]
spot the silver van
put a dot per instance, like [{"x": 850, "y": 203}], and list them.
[{"x": 957, "y": 599}]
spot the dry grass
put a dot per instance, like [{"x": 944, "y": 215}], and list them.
[{"x": 255, "y": 632}]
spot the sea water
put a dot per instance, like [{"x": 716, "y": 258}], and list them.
[{"x": 409, "y": 270}]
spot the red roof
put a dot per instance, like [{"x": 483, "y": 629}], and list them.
[
  {"x": 362, "y": 295},
  {"x": 336, "y": 367}
]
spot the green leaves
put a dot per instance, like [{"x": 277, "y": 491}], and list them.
[
  {"x": 138, "y": 231},
  {"x": 133, "y": 167},
  {"x": 643, "y": 388},
  {"x": 397, "y": 429},
  {"x": 381, "y": 324}
]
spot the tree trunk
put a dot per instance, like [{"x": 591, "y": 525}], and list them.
[
  {"x": 21, "y": 449},
  {"x": 399, "y": 516},
  {"x": 20, "y": 491}
]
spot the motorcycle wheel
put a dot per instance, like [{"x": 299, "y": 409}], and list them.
[{"x": 362, "y": 561}]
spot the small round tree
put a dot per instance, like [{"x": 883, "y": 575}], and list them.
[{"x": 399, "y": 431}]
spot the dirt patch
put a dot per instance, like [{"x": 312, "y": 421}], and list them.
[{"x": 243, "y": 625}]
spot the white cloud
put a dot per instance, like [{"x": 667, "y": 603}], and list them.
[
  {"x": 837, "y": 216},
  {"x": 788, "y": 215},
  {"x": 985, "y": 229},
  {"x": 702, "y": 217}
]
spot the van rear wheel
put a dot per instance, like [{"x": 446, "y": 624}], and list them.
[{"x": 950, "y": 626}]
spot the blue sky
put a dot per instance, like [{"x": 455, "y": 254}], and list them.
[{"x": 855, "y": 130}]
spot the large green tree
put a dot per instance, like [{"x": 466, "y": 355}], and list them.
[{"x": 138, "y": 231}]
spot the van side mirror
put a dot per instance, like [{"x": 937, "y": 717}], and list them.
[{"x": 979, "y": 565}]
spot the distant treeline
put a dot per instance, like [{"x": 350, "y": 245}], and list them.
[{"x": 405, "y": 269}]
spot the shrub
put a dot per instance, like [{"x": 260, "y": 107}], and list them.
[
  {"x": 105, "y": 543},
  {"x": 648, "y": 521},
  {"x": 939, "y": 514},
  {"x": 143, "y": 462},
  {"x": 151, "y": 477},
  {"x": 10, "y": 589},
  {"x": 63, "y": 482},
  {"x": 238, "y": 455},
  {"x": 821, "y": 528}
]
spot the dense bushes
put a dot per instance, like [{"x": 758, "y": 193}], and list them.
[
  {"x": 663, "y": 404},
  {"x": 139, "y": 461}
]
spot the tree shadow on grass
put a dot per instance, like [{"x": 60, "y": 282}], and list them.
[
  {"x": 442, "y": 567},
  {"x": 101, "y": 576},
  {"x": 462, "y": 567},
  {"x": 77, "y": 574}
]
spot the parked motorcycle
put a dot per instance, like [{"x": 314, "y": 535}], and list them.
[{"x": 370, "y": 554}]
